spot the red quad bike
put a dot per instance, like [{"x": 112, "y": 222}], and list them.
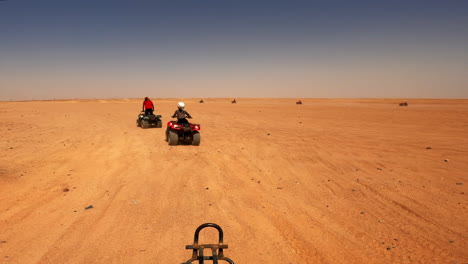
[{"x": 187, "y": 133}]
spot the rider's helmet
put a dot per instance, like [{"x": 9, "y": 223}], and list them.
[{"x": 181, "y": 105}]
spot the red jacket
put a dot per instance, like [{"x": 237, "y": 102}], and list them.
[{"x": 148, "y": 105}]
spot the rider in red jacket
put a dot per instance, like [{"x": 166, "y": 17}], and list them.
[{"x": 148, "y": 106}]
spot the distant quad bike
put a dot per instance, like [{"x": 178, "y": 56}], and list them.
[
  {"x": 186, "y": 133},
  {"x": 201, "y": 101},
  {"x": 146, "y": 121}
]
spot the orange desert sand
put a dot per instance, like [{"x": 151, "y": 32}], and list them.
[{"x": 329, "y": 181}]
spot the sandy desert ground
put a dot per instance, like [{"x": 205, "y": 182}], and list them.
[{"x": 329, "y": 181}]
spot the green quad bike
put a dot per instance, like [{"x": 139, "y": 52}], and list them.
[{"x": 146, "y": 121}]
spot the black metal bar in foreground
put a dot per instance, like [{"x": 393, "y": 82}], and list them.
[{"x": 216, "y": 249}]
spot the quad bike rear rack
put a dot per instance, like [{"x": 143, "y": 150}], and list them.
[{"x": 216, "y": 249}]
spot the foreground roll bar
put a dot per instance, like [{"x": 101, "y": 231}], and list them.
[{"x": 216, "y": 249}]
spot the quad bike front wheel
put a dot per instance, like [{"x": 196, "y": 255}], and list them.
[
  {"x": 159, "y": 124},
  {"x": 138, "y": 123},
  {"x": 173, "y": 138}
]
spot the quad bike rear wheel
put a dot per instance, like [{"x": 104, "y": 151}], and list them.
[
  {"x": 138, "y": 123},
  {"x": 173, "y": 138},
  {"x": 196, "y": 138}
]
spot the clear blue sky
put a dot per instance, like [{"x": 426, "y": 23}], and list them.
[{"x": 232, "y": 48}]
